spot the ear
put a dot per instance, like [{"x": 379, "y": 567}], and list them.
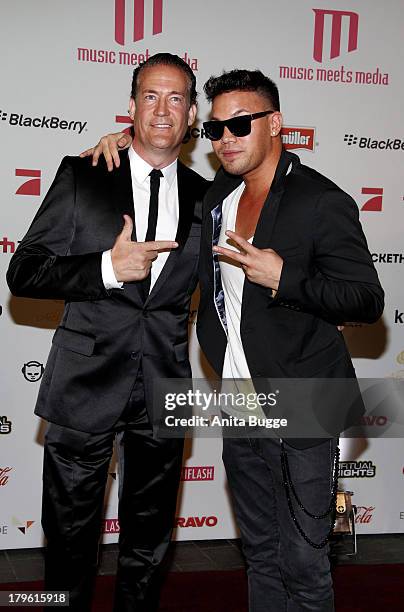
[
  {"x": 276, "y": 120},
  {"x": 192, "y": 114},
  {"x": 132, "y": 108}
]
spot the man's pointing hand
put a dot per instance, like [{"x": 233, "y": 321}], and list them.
[{"x": 132, "y": 260}]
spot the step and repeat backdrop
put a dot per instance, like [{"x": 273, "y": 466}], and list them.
[{"x": 65, "y": 73}]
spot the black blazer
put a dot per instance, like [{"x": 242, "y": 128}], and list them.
[
  {"x": 105, "y": 335},
  {"x": 328, "y": 278}
]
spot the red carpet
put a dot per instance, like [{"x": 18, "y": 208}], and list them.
[{"x": 359, "y": 588}]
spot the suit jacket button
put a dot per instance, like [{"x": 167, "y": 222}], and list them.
[
  {"x": 145, "y": 314},
  {"x": 133, "y": 355}
]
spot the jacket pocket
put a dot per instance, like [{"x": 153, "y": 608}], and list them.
[{"x": 74, "y": 341}]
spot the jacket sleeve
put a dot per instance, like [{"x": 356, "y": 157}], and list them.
[
  {"x": 42, "y": 266},
  {"x": 341, "y": 284}
]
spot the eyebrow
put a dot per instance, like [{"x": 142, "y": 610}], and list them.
[
  {"x": 236, "y": 113},
  {"x": 154, "y": 91}
]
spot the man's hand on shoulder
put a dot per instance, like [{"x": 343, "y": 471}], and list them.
[
  {"x": 132, "y": 260},
  {"x": 109, "y": 146}
]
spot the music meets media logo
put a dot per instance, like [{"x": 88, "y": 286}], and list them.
[{"x": 330, "y": 28}]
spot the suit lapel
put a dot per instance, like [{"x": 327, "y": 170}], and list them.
[
  {"x": 123, "y": 194},
  {"x": 186, "y": 205},
  {"x": 269, "y": 213}
]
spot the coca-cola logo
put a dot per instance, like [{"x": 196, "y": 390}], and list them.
[
  {"x": 4, "y": 475},
  {"x": 195, "y": 521},
  {"x": 364, "y": 515}
]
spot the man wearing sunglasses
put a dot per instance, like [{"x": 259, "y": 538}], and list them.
[{"x": 283, "y": 263}]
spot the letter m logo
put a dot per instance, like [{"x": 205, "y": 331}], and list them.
[
  {"x": 138, "y": 19},
  {"x": 336, "y": 30}
]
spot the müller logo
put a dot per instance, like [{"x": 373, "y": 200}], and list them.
[
  {"x": 200, "y": 472},
  {"x": 138, "y": 19},
  {"x": 336, "y": 29},
  {"x": 31, "y": 187},
  {"x": 298, "y": 138}
]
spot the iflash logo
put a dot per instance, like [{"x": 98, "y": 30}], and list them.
[
  {"x": 200, "y": 472},
  {"x": 351, "y": 21},
  {"x": 32, "y": 371},
  {"x": 374, "y": 204},
  {"x": 195, "y": 521},
  {"x": 138, "y": 19},
  {"x": 31, "y": 187},
  {"x": 298, "y": 138},
  {"x": 5, "y": 425},
  {"x": 111, "y": 526},
  {"x": 365, "y": 142},
  {"x": 356, "y": 469},
  {"x": 53, "y": 123}
]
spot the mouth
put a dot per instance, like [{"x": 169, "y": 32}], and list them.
[
  {"x": 229, "y": 154},
  {"x": 161, "y": 126}
]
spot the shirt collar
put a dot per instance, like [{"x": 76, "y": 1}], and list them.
[{"x": 140, "y": 169}]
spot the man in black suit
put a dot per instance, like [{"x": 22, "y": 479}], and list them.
[
  {"x": 290, "y": 264},
  {"x": 125, "y": 323}
]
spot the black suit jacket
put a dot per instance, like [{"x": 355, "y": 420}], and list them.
[
  {"x": 105, "y": 335},
  {"x": 327, "y": 278}
]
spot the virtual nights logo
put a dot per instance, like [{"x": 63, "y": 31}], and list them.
[{"x": 330, "y": 28}]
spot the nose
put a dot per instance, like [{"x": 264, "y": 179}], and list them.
[
  {"x": 161, "y": 108},
  {"x": 227, "y": 135}
]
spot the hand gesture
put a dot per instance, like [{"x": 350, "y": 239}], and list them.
[
  {"x": 132, "y": 260},
  {"x": 108, "y": 146},
  {"x": 261, "y": 266}
]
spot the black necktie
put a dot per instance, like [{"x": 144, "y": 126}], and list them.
[{"x": 152, "y": 220}]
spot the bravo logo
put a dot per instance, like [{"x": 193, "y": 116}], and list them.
[
  {"x": 298, "y": 138},
  {"x": 195, "y": 521}
]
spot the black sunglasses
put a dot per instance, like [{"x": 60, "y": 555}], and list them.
[{"x": 238, "y": 126}]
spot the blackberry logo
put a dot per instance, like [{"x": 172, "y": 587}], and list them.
[
  {"x": 350, "y": 139},
  {"x": 53, "y": 123},
  {"x": 364, "y": 142}
]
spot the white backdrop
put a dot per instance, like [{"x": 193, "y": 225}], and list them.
[{"x": 65, "y": 80}]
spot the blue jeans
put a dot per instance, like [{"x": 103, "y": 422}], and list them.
[{"x": 285, "y": 573}]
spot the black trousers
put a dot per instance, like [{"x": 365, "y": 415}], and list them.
[
  {"x": 74, "y": 478},
  {"x": 285, "y": 574}
]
